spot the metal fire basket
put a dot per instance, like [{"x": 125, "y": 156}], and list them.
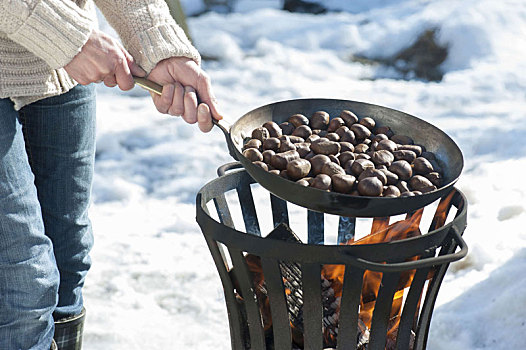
[{"x": 285, "y": 304}]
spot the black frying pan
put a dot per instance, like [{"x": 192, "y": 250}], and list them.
[{"x": 435, "y": 140}]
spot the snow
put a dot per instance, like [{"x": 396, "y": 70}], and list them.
[{"x": 153, "y": 283}]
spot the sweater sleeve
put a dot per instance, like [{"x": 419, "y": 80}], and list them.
[
  {"x": 54, "y": 30},
  {"x": 147, "y": 30}
]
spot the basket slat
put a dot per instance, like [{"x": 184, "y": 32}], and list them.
[
  {"x": 312, "y": 306},
  {"x": 278, "y": 304},
  {"x": 244, "y": 277},
  {"x": 348, "y": 323}
]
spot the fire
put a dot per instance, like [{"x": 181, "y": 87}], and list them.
[
  {"x": 332, "y": 277},
  {"x": 381, "y": 231}
]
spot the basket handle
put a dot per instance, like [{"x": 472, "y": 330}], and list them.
[
  {"x": 411, "y": 265},
  {"x": 227, "y": 167}
]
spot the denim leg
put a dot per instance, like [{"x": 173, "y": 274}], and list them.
[
  {"x": 28, "y": 274},
  {"x": 60, "y": 143}
]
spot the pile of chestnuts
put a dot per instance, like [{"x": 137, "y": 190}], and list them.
[{"x": 345, "y": 154}]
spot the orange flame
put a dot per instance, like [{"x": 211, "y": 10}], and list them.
[
  {"x": 372, "y": 280},
  {"x": 381, "y": 232}
]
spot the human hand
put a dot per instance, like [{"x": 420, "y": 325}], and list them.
[
  {"x": 103, "y": 58},
  {"x": 183, "y": 82}
]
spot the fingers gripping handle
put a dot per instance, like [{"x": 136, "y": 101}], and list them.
[
  {"x": 158, "y": 89},
  {"x": 221, "y": 124}
]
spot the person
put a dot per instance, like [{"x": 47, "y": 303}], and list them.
[{"x": 50, "y": 54}]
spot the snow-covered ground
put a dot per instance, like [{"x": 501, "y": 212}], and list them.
[{"x": 153, "y": 284}]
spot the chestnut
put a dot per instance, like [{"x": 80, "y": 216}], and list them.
[
  {"x": 349, "y": 117},
  {"x": 401, "y": 168},
  {"x": 346, "y": 146},
  {"x": 435, "y": 178},
  {"x": 370, "y": 186},
  {"x": 325, "y": 147},
  {"x": 332, "y": 136},
  {"x": 335, "y": 123},
  {"x": 273, "y": 129},
  {"x": 295, "y": 139},
  {"x": 313, "y": 138},
  {"x": 422, "y": 184},
  {"x": 407, "y": 194},
  {"x": 422, "y": 166},
  {"x": 303, "y": 148},
  {"x": 344, "y": 157},
  {"x": 317, "y": 162},
  {"x": 267, "y": 155},
  {"x": 303, "y": 182},
  {"x": 334, "y": 159},
  {"x": 402, "y": 186},
  {"x": 415, "y": 148},
  {"x": 406, "y": 155},
  {"x": 387, "y": 145},
  {"x": 359, "y": 165},
  {"x": 280, "y": 160},
  {"x": 319, "y": 120},
  {"x": 362, "y": 156},
  {"x": 361, "y": 148},
  {"x": 392, "y": 178},
  {"x": 261, "y": 165},
  {"x": 260, "y": 133},
  {"x": 322, "y": 182},
  {"x": 371, "y": 172},
  {"x": 382, "y": 157},
  {"x": 368, "y": 122},
  {"x": 286, "y": 145},
  {"x": 303, "y": 131},
  {"x": 298, "y": 168},
  {"x": 380, "y": 137},
  {"x": 391, "y": 191},
  {"x": 332, "y": 168},
  {"x": 252, "y": 143},
  {"x": 286, "y": 128},
  {"x": 253, "y": 154},
  {"x": 298, "y": 119},
  {"x": 346, "y": 135},
  {"x": 343, "y": 183},
  {"x": 361, "y": 132},
  {"x": 272, "y": 143}
]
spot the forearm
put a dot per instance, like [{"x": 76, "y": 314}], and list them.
[
  {"x": 147, "y": 30},
  {"x": 54, "y": 30}
]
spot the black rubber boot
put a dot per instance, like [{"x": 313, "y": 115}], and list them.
[{"x": 68, "y": 332}]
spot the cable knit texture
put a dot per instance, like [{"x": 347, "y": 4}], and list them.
[{"x": 39, "y": 37}]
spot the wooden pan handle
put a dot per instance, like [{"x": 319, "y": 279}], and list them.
[{"x": 158, "y": 89}]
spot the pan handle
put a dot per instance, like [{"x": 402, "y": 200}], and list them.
[
  {"x": 148, "y": 85},
  {"x": 158, "y": 89}
]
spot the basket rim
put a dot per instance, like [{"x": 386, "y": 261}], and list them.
[{"x": 394, "y": 251}]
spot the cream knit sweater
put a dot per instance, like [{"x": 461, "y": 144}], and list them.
[{"x": 39, "y": 37}]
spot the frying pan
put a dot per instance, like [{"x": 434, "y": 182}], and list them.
[{"x": 448, "y": 155}]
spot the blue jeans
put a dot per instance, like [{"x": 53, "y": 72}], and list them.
[{"x": 47, "y": 152}]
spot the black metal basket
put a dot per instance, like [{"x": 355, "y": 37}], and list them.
[{"x": 289, "y": 299}]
